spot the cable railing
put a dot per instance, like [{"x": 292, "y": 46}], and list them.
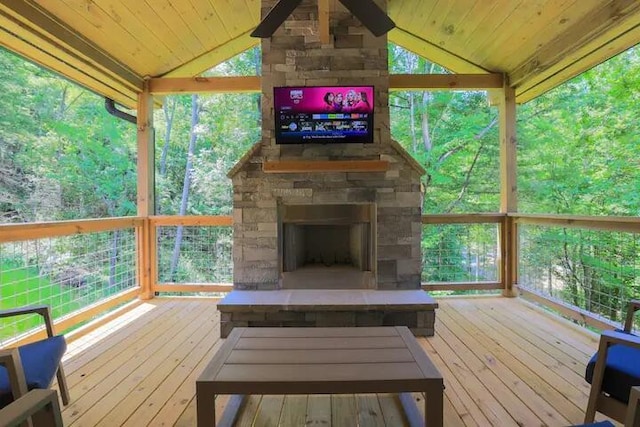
[
  {"x": 585, "y": 267},
  {"x": 588, "y": 268},
  {"x": 192, "y": 254},
  {"x": 71, "y": 266},
  {"x": 461, "y": 252}
]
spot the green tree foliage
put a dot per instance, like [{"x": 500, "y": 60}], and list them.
[
  {"x": 228, "y": 125},
  {"x": 454, "y": 135},
  {"x": 62, "y": 156},
  {"x": 579, "y": 144}
]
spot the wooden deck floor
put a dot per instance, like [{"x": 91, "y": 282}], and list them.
[{"x": 503, "y": 361}]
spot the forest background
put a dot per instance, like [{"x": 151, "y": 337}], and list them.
[{"x": 62, "y": 156}]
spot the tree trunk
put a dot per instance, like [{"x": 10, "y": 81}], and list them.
[
  {"x": 168, "y": 115},
  {"x": 185, "y": 187},
  {"x": 412, "y": 121},
  {"x": 426, "y": 131}
]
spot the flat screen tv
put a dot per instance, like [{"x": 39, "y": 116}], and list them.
[{"x": 323, "y": 114}]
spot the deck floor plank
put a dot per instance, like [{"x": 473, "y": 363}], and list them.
[
  {"x": 95, "y": 353},
  {"x": 489, "y": 405},
  {"x": 580, "y": 338},
  {"x": 483, "y": 355},
  {"x": 535, "y": 379},
  {"x": 248, "y": 412},
  {"x": 565, "y": 380},
  {"x": 561, "y": 351},
  {"x": 181, "y": 403},
  {"x": 186, "y": 354},
  {"x": 294, "y": 411},
  {"x": 492, "y": 375},
  {"x": 502, "y": 360},
  {"x": 392, "y": 411},
  {"x": 268, "y": 414},
  {"x": 369, "y": 411},
  {"x": 466, "y": 407},
  {"x": 319, "y": 411},
  {"x": 96, "y": 391},
  {"x": 343, "y": 409}
]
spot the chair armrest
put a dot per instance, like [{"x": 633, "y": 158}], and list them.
[
  {"x": 18, "y": 411},
  {"x": 43, "y": 310},
  {"x": 634, "y": 305},
  {"x": 10, "y": 359},
  {"x": 39, "y": 309},
  {"x": 633, "y": 410},
  {"x": 614, "y": 337}
]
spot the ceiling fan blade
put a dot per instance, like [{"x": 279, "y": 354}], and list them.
[
  {"x": 275, "y": 18},
  {"x": 370, "y": 15}
]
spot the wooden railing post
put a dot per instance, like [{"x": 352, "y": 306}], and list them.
[
  {"x": 146, "y": 188},
  {"x": 508, "y": 185},
  {"x": 509, "y": 255}
]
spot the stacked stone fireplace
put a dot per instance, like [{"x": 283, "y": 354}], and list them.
[
  {"x": 326, "y": 229},
  {"x": 361, "y": 229}
]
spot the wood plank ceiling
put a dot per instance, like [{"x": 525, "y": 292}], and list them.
[{"x": 110, "y": 46}]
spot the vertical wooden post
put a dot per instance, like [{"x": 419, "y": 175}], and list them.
[
  {"x": 323, "y": 21},
  {"x": 508, "y": 186},
  {"x": 146, "y": 189}
]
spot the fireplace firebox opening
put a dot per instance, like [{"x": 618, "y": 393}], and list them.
[{"x": 327, "y": 246}]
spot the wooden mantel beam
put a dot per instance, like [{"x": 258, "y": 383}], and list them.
[{"x": 168, "y": 85}]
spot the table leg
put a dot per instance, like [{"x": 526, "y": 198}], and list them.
[
  {"x": 206, "y": 409},
  {"x": 434, "y": 408}
]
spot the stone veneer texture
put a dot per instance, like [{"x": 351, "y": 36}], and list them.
[{"x": 294, "y": 56}]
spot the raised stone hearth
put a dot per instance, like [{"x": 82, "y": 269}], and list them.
[{"x": 414, "y": 309}]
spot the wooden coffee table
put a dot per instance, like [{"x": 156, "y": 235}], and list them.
[{"x": 320, "y": 361}]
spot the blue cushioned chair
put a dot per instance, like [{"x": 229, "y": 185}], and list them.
[
  {"x": 614, "y": 370},
  {"x": 34, "y": 365}
]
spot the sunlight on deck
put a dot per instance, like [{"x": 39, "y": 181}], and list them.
[{"x": 504, "y": 362}]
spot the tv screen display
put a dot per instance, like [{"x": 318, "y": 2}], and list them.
[{"x": 323, "y": 114}]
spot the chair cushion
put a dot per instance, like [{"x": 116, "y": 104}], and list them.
[
  {"x": 40, "y": 362},
  {"x": 621, "y": 373},
  {"x": 597, "y": 424}
]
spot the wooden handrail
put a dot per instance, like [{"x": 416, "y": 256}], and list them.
[
  {"x": 41, "y": 230},
  {"x": 204, "y": 220},
  {"x": 606, "y": 223},
  {"x": 474, "y": 218}
]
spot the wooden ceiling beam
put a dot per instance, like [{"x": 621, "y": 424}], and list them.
[
  {"x": 433, "y": 52},
  {"x": 537, "y": 87},
  {"x": 445, "y": 81},
  {"x": 41, "y": 54},
  {"x": 164, "y": 86},
  {"x": 602, "y": 33},
  {"x": 33, "y": 19}
]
